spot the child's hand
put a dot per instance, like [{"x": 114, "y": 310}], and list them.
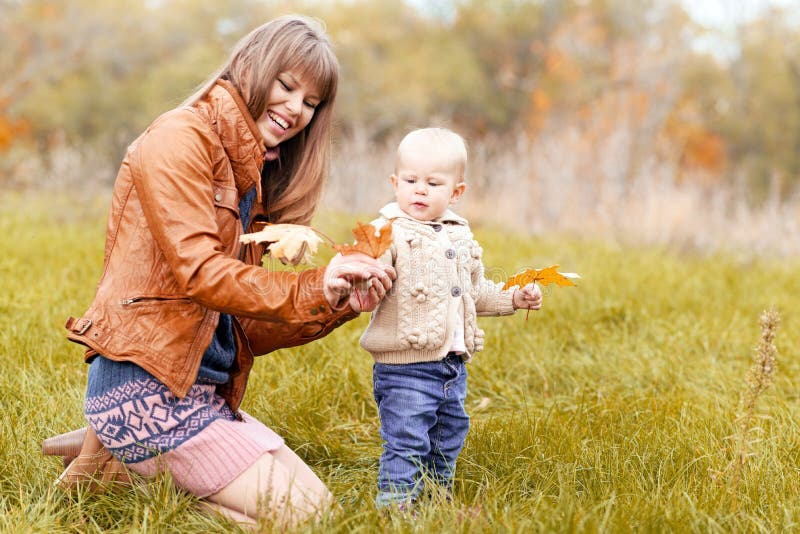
[
  {"x": 529, "y": 297},
  {"x": 367, "y": 295},
  {"x": 357, "y": 276}
]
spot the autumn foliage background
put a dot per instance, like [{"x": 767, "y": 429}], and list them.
[
  {"x": 623, "y": 119},
  {"x": 621, "y": 139}
]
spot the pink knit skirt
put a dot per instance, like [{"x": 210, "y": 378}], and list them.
[{"x": 196, "y": 438}]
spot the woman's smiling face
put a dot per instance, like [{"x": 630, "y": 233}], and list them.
[{"x": 290, "y": 108}]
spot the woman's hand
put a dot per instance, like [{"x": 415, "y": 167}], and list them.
[
  {"x": 529, "y": 297},
  {"x": 363, "y": 280}
]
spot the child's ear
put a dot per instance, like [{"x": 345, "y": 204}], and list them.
[
  {"x": 458, "y": 190},
  {"x": 393, "y": 179}
]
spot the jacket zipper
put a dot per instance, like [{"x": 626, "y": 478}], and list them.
[
  {"x": 238, "y": 326},
  {"x": 132, "y": 300},
  {"x": 244, "y": 248}
]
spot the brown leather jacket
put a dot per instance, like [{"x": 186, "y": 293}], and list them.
[{"x": 173, "y": 260}]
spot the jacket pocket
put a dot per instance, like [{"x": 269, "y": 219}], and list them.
[
  {"x": 160, "y": 322},
  {"x": 226, "y": 196}
]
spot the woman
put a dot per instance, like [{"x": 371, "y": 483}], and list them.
[{"x": 181, "y": 307}]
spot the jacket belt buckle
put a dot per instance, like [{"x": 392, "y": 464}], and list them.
[{"x": 82, "y": 326}]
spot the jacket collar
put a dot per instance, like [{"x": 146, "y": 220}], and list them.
[
  {"x": 237, "y": 130},
  {"x": 393, "y": 211}
]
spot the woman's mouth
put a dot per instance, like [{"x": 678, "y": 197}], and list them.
[{"x": 280, "y": 121}]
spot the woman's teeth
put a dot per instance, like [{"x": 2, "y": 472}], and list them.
[{"x": 278, "y": 120}]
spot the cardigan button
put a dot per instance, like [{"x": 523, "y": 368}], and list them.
[
  {"x": 456, "y": 291},
  {"x": 450, "y": 253},
  {"x": 218, "y": 197},
  {"x": 437, "y": 227}
]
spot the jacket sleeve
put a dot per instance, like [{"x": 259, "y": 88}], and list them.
[
  {"x": 490, "y": 298},
  {"x": 173, "y": 176},
  {"x": 267, "y": 336}
]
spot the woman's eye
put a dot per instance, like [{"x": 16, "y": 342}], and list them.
[
  {"x": 285, "y": 85},
  {"x": 311, "y": 104}
]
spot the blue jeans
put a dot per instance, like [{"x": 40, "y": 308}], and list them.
[{"x": 423, "y": 425}]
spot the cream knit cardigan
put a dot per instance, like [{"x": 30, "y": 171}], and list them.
[{"x": 438, "y": 265}]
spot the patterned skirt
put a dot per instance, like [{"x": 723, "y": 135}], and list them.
[{"x": 196, "y": 438}]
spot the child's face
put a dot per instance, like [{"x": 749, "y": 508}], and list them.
[
  {"x": 425, "y": 185},
  {"x": 290, "y": 108}
]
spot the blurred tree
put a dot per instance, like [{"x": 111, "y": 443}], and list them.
[
  {"x": 751, "y": 103},
  {"x": 506, "y": 39},
  {"x": 767, "y": 144},
  {"x": 95, "y": 74},
  {"x": 401, "y": 67},
  {"x": 622, "y": 79}
]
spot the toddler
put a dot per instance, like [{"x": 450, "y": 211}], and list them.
[{"x": 425, "y": 330}]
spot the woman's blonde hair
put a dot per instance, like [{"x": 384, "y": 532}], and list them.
[{"x": 293, "y": 183}]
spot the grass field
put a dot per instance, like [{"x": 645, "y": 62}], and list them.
[{"x": 609, "y": 410}]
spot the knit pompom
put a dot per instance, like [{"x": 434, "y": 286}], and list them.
[{"x": 477, "y": 251}]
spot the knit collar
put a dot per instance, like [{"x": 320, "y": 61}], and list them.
[
  {"x": 392, "y": 211},
  {"x": 238, "y": 132}
]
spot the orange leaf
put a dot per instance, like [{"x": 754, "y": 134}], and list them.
[
  {"x": 548, "y": 275},
  {"x": 367, "y": 242}
]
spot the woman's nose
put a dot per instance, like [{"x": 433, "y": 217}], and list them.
[{"x": 294, "y": 104}]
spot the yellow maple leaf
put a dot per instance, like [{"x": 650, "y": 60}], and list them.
[
  {"x": 548, "y": 275},
  {"x": 290, "y": 243}
]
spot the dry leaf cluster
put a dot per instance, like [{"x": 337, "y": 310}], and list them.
[{"x": 290, "y": 243}]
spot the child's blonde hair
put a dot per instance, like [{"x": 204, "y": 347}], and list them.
[
  {"x": 293, "y": 184},
  {"x": 448, "y": 145}
]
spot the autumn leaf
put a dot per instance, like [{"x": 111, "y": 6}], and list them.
[
  {"x": 290, "y": 243},
  {"x": 546, "y": 276},
  {"x": 369, "y": 241}
]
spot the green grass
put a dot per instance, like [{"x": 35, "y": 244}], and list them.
[{"x": 606, "y": 411}]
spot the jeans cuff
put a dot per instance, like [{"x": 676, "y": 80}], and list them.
[{"x": 397, "y": 496}]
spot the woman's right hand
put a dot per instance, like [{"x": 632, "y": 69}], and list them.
[{"x": 345, "y": 273}]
